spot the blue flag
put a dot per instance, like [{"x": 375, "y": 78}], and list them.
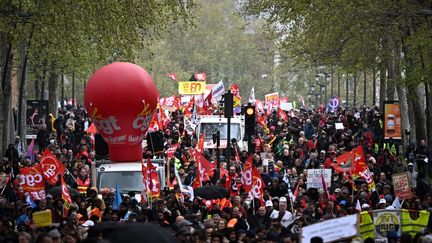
[
  {"x": 117, "y": 199},
  {"x": 30, "y": 202}
]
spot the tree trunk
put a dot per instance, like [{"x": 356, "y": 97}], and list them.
[
  {"x": 420, "y": 119},
  {"x": 22, "y": 95},
  {"x": 429, "y": 126},
  {"x": 52, "y": 91},
  {"x": 382, "y": 92},
  {"x": 390, "y": 78},
  {"x": 355, "y": 91},
  {"x": 411, "y": 117},
  {"x": 7, "y": 130},
  {"x": 404, "y": 115}
]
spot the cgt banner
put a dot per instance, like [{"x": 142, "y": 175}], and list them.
[
  {"x": 192, "y": 87},
  {"x": 32, "y": 183},
  {"x": 51, "y": 167},
  {"x": 387, "y": 223},
  {"x": 392, "y": 120},
  {"x": 331, "y": 230}
]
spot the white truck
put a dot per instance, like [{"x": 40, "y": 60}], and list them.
[
  {"x": 127, "y": 176},
  {"x": 210, "y": 124}
]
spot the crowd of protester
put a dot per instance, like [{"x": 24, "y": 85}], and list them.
[{"x": 308, "y": 139}]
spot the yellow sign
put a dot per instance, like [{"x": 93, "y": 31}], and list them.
[
  {"x": 42, "y": 218},
  {"x": 387, "y": 222},
  {"x": 192, "y": 87}
]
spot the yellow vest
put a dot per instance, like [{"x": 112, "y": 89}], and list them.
[
  {"x": 366, "y": 226},
  {"x": 414, "y": 226}
]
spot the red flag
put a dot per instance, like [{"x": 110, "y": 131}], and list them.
[
  {"x": 326, "y": 195},
  {"x": 152, "y": 180},
  {"x": 91, "y": 129},
  {"x": 282, "y": 115},
  {"x": 360, "y": 168},
  {"x": 171, "y": 150},
  {"x": 198, "y": 179},
  {"x": 344, "y": 162},
  {"x": 200, "y": 144},
  {"x": 65, "y": 192},
  {"x": 207, "y": 105},
  {"x": 32, "y": 183},
  {"x": 51, "y": 167},
  {"x": 257, "y": 185},
  {"x": 172, "y": 76},
  {"x": 247, "y": 178},
  {"x": 236, "y": 154},
  {"x": 205, "y": 167},
  {"x": 144, "y": 180},
  {"x": 200, "y": 76}
]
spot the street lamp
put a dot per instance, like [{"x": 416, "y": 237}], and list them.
[{"x": 327, "y": 81}]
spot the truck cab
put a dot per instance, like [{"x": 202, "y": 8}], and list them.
[
  {"x": 127, "y": 176},
  {"x": 209, "y": 125}
]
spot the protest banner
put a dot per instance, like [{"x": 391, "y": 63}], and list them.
[
  {"x": 314, "y": 178},
  {"x": 331, "y": 230},
  {"x": 192, "y": 87},
  {"x": 32, "y": 183},
  {"x": 401, "y": 186},
  {"x": 387, "y": 222},
  {"x": 36, "y": 117},
  {"x": 272, "y": 99}
]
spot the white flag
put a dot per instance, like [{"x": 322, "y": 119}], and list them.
[
  {"x": 358, "y": 206},
  {"x": 252, "y": 96},
  {"x": 396, "y": 203}
]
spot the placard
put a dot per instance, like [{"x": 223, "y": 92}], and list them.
[
  {"x": 392, "y": 120},
  {"x": 331, "y": 230},
  {"x": 36, "y": 117},
  {"x": 192, "y": 87},
  {"x": 42, "y": 218},
  {"x": 339, "y": 126},
  {"x": 387, "y": 222},
  {"x": 314, "y": 178},
  {"x": 272, "y": 99},
  {"x": 401, "y": 185}
]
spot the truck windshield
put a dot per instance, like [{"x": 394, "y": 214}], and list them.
[
  {"x": 126, "y": 180},
  {"x": 210, "y": 128}
]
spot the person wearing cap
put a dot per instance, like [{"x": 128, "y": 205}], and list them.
[
  {"x": 412, "y": 175},
  {"x": 284, "y": 216},
  {"x": 381, "y": 204}
]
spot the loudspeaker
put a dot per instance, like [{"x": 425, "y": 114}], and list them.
[
  {"x": 101, "y": 147},
  {"x": 155, "y": 141}
]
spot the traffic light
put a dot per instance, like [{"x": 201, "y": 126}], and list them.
[
  {"x": 228, "y": 104},
  {"x": 250, "y": 122}
]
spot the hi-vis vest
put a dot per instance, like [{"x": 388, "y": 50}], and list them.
[
  {"x": 366, "y": 226},
  {"x": 82, "y": 185},
  {"x": 414, "y": 226}
]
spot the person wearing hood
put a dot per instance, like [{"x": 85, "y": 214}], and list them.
[{"x": 96, "y": 201}]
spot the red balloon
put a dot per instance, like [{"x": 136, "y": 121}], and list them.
[{"x": 121, "y": 98}]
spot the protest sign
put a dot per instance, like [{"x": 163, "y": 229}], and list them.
[
  {"x": 401, "y": 186},
  {"x": 314, "y": 178},
  {"x": 192, "y": 87},
  {"x": 42, "y": 218},
  {"x": 331, "y": 230},
  {"x": 387, "y": 222}
]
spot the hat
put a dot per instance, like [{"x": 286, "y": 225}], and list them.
[
  {"x": 388, "y": 198},
  {"x": 48, "y": 196},
  {"x": 183, "y": 231},
  {"x": 343, "y": 202},
  {"x": 269, "y": 203},
  {"x": 345, "y": 190},
  {"x": 88, "y": 223},
  {"x": 382, "y": 200},
  {"x": 410, "y": 164},
  {"x": 365, "y": 205},
  {"x": 282, "y": 199},
  {"x": 54, "y": 233},
  {"x": 185, "y": 223},
  {"x": 337, "y": 190},
  {"x": 275, "y": 199}
]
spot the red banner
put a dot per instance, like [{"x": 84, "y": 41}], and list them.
[
  {"x": 257, "y": 185},
  {"x": 151, "y": 179},
  {"x": 51, "y": 167},
  {"x": 32, "y": 182},
  {"x": 360, "y": 168}
]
